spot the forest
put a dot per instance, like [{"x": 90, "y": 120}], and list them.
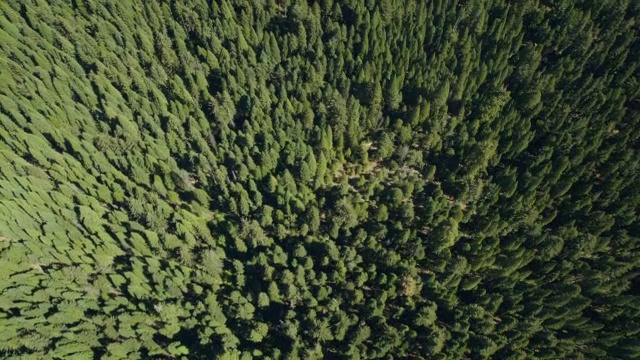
[{"x": 309, "y": 179}]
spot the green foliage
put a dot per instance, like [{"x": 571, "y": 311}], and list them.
[{"x": 311, "y": 179}]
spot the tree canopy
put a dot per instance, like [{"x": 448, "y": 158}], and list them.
[{"x": 288, "y": 179}]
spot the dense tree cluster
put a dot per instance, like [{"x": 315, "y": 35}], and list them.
[{"x": 305, "y": 179}]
